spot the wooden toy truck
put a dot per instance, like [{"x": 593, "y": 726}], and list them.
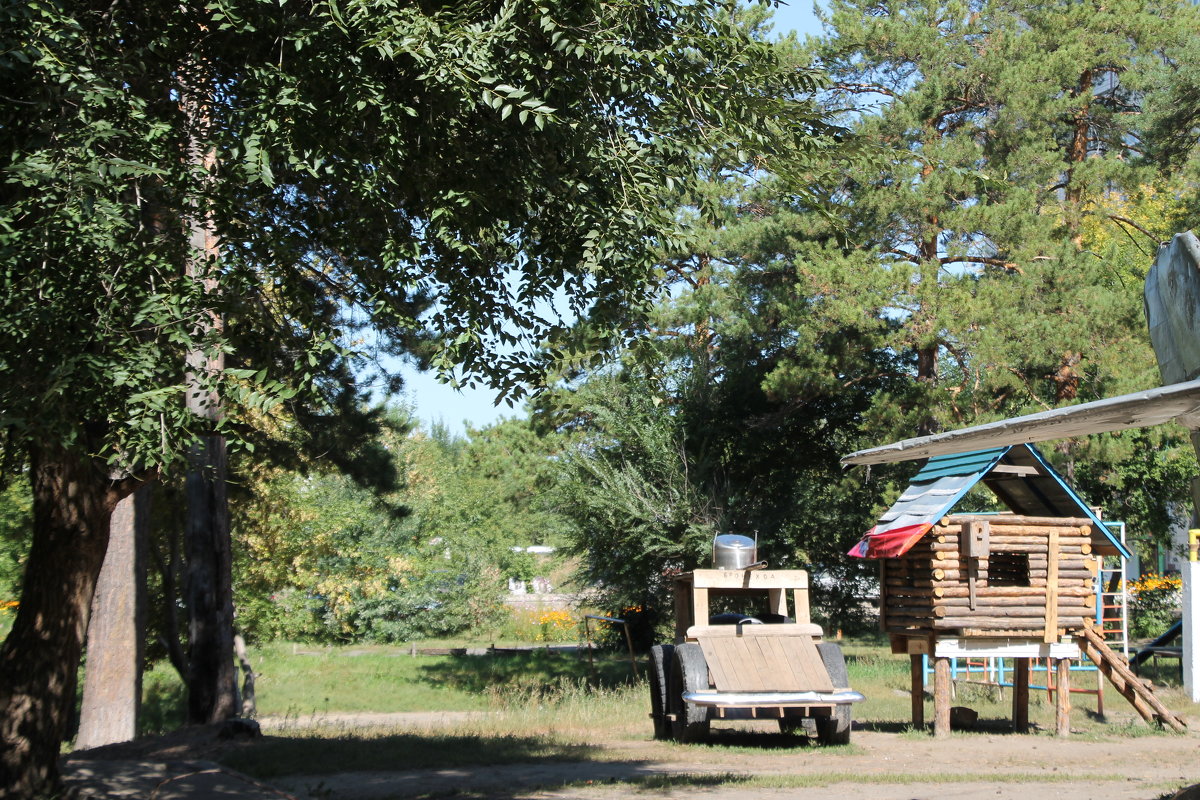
[{"x": 737, "y": 666}]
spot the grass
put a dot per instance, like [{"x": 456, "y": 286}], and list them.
[
  {"x": 547, "y": 706},
  {"x": 300, "y": 681}
]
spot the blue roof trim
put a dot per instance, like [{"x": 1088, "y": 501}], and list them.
[
  {"x": 1087, "y": 511},
  {"x": 975, "y": 463}
]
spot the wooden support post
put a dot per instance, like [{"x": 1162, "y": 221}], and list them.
[
  {"x": 941, "y": 697},
  {"x": 699, "y": 606},
  {"x": 917, "y": 662},
  {"x": 777, "y": 601},
  {"x": 1062, "y": 698},
  {"x": 1051, "y": 632},
  {"x": 1021, "y": 695}
]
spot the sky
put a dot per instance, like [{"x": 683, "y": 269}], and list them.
[{"x": 437, "y": 403}]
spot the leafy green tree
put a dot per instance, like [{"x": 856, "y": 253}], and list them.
[
  {"x": 323, "y": 558},
  {"x": 968, "y": 263},
  {"x": 489, "y": 156},
  {"x": 1007, "y": 126}
]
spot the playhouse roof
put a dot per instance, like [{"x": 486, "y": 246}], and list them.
[{"x": 1016, "y": 474}]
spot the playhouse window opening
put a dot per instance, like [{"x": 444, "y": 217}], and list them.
[{"x": 1008, "y": 569}]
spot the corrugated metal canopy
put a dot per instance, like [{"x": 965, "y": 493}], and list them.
[{"x": 1179, "y": 401}]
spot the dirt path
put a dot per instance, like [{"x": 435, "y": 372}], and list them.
[{"x": 880, "y": 766}]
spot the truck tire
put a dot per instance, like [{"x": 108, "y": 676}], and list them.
[
  {"x": 834, "y": 729},
  {"x": 689, "y": 673},
  {"x": 661, "y": 656}
]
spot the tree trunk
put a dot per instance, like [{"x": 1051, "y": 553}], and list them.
[
  {"x": 72, "y": 502},
  {"x": 212, "y": 676},
  {"x": 112, "y": 684}
]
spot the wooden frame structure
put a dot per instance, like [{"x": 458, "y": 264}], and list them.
[{"x": 1019, "y": 584}]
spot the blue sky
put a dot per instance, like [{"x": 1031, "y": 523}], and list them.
[{"x": 436, "y": 402}]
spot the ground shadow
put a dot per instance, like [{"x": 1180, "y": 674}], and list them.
[
  {"x": 517, "y": 781},
  {"x": 273, "y": 756},
  {"x": 998, "y": 725},
  {"x": 532, "y": 671},
  {"x": 755, "y": 739}
]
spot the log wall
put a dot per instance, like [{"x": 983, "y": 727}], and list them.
[{"x": 928, "y": 590}]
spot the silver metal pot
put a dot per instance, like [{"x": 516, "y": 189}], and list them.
[{"x": 733, "y": 551}]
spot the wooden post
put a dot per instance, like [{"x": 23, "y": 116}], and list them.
[
  {"x": 802, "y": 614},
  {"x": 917, "y": 662},
  {"x": 683, "y": 612},
  {"x": 1021, "y": 695},
  {"x": 1062, "y": 698},
  {"x": 941, "y": 697},
  {"x": 1051, "y": 630}
]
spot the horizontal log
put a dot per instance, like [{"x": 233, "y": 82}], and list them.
[
  {"x": 1075, "y": 548},
  {"x": 894, "y": 590},
  {"x": 1001, "y": 520},
  {"x": 1033, "y": 601},
  {"x": 1016, "y": 615},
  {"x": 950, "y": 549},
  {"x": 979, "y": 621},
  {"x": 1037, "y": 532},
  {"x": 1013, "y": 591},
  {"x": 1030, "y": 610},
  {"x": 893, "y": 623},
  {"x": 1005, "y": 535},
  {"x": 1011, "y": 632}
]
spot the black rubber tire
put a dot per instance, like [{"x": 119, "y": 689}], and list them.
[
  {"x": 834, "y": 729},
  {"x": 689, "y": 673},
  {"x": 661, "y": 656}
]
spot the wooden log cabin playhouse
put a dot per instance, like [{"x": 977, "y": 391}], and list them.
[{"x": 1019, "y": 584}]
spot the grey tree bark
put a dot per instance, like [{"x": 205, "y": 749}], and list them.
[{"x": 112, "y": 685}]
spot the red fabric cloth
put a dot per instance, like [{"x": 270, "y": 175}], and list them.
[{"x": 889, "y": 543}]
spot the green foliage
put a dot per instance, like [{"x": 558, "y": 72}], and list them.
[
  {"x": 1140, "y": 477},
  {"x": 981, "y": 239},
  {"x": 323, "y": 558},
  {"x": 345, "y": 156},
  {"x": 16, "y": 528},
  {"x": 1153, "y": 605}
]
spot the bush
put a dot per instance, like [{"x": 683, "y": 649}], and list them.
[{"x": 1153, "y": 604}]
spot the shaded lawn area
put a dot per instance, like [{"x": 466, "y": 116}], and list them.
[{"x": 316, "y": 754}]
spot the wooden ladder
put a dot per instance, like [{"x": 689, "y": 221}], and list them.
[{"x": 1132, "y": 688}]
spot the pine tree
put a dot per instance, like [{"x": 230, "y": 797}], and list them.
[{"x": 1002, "y": 128}]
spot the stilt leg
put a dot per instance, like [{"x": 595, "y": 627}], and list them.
[
  {"x": 917, "y": 664},
  {"x": 1021, "y": 695},
  {"x": 941, "y": 697},
  {"x": 1062, "y": 698}
]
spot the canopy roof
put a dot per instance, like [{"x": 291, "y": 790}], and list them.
[
  {"x": 1179, "y": 401},
  {"x": 1017, "y": 474}
]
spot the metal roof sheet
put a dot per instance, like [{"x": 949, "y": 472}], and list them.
[
  {"x": 1138, "y": 410},
  {"x": 973, "y": 463},
  {"x": 926, "y": 501}
]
